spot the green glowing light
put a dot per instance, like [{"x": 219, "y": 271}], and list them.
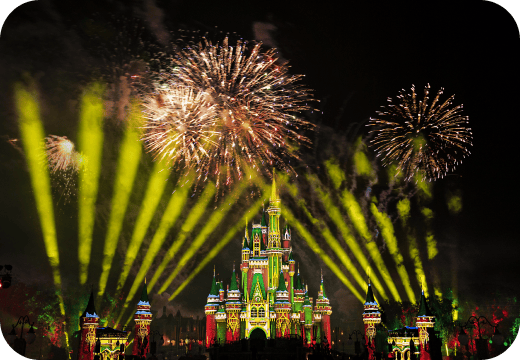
[
  {"x": 425, "y": 187},
  {"x": 90, "y": 144},
  {"x": 454, "y": 203},
  {"x": 129, "y": 157},
  {"x": 335, "y": 173},
  {"x": 215, "y": 219},
  {"x": 431, "y": 243},
  {"x": 387, "y": 230},
  {"x": 32, "y": 137},
  {"x": 193, "y": 218},
  {"x": 152, "y": 196},
  {"x": 361, "y": 162}
]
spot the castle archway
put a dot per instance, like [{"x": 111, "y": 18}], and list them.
[{"x": 258, "y": 333}]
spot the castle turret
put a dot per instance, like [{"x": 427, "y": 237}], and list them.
[
  {"x": 210, "y": 309},
  {"x": 143, "y": 319},
  {"x": 371, "y": 317},
  {"x": 286, "y": 243},
  {"x": 322, "y": 312},
  {"x": 307, "y": 319},
  {"x": 233, "y": 308},
  {"x": 282, "y": 308},
  {"x": 274, "y": 247},
  {"x": 425, "y": 321},
  {"x": 88, "y": 322},
  {"x": 244, "y": 266}
]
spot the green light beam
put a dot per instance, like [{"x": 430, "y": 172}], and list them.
[
  {"x": 152, "y": 197},
  {"x": 193, "y": 218},
  {"x": 210, "y": 226},
  {"x": 32, "y": 136},
  {"x": 219, "y": 246},
  {"x": 387, "y": 231},
  {"x": 350, "y": 240},
  {"x": 129, "y": 157},
  {"x": 170, "y": 216},
  {"x": 90, "y": 144}
]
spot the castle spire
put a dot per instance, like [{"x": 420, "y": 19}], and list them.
[
  {"x": 274, "y": 192},
  {"x": 424, "y": 310},
  {"x": 90, "y": 311}
]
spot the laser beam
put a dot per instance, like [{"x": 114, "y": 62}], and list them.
[
  {"x": 129, "y": 157},
  {"x": 90, "y": 144}
]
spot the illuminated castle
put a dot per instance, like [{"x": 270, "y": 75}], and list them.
[{"x": 269, "y": 301}]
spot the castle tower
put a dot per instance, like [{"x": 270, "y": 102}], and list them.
[
  {"x": 322, "y": 311},
  {"x": 244, "y": 266},
  {"x": 233, "y": 309},
  {"x": 425, "y": 321},
  {"x": 88, "y": 322},
  {"x": 274, "y": 247},
  {"x": 143, "y": 319},
  {"x": 307, "y": 319},
  {"x": 286, "y": 243},
  {"x": 211, "y": 309},
  {"x": 371, "y": 317},
  {"x": 282, "y": 308}
]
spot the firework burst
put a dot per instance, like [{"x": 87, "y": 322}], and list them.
[
  {"x": 250, "y": 112},
  {"x": 180, "y": 125},
  {"x": 427, "y": 140},
  {"x": 64, "y": 163}
]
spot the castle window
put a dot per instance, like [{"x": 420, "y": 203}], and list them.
[
  {"x": 254, "y": 312},
  {"x": 261, "y": 312}
]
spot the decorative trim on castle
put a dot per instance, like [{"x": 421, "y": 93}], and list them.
[{"x": 269, "y": 300}]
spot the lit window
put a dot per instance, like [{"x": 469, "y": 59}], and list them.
[
  {"x": 254, "y": 312},
  {"x": 261, "y": 312}
]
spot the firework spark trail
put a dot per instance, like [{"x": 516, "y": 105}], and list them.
[
  {"x": 187, "y": 227},
  {"x": 90, "y": 141},
  {"x": 129, "y": 158},
  {"x": 350, "y": 240},
  {"x": 255, "y": 102},
  {"x": 311, "y": 242},
  {"x": 429, "y": 140},
  {"x": 170, "y": 216},
  {"x": 208, "y": 229},
  {"x": 152, "y": 197}
]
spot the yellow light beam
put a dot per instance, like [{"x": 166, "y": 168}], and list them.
[
  {"x": 90, "y": 144},
  {"x": 356, "y": 216},
  {"x": 193, "y": 218},
  {"x": 403, "y": 208},
  {"x": 350, "y": 240},
  {"x": 129, "y": 157},
  {"x": 210, "y": 226},
  {"x": 387, "y": 231},
  {"x": 215, "y": 250},
  {"x": 152, "y": 197},
  {"x": 32, "y": 136},
  {"x": 170, "y": 216}
]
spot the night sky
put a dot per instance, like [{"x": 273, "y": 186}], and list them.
[{"x": 353, "y": 56}]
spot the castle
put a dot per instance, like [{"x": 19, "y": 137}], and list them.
[
  {"x": 107, "y": 343},
  {"x": 269, "y": 300}
]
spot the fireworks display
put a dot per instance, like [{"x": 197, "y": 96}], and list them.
[
  {"x": 239, "y": 110},
  {"x": 420, "y": 139},
  {"x": 61, "y": 155},
  {"x": 180, "y": 125}
]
